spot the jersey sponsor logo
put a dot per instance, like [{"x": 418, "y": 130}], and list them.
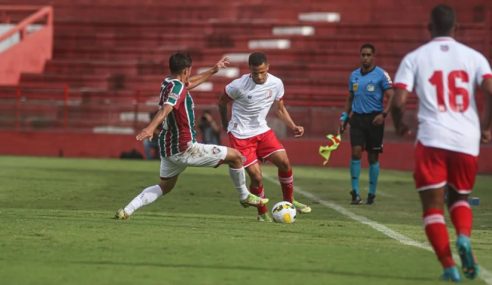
[
  {"x": 173, "y": 96},
  {"x": 355, "y": 86},
  {"x": 371, "y": 87}
]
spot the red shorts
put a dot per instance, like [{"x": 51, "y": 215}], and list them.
[
  {"x": 435, "y": 168},
  {"x": 260, "y": 146}
]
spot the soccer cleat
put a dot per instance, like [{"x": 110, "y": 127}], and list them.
[
  {"x": 301, "y": 208},
  {"x": 468, "y": 263},
  {"x": 370, "y": 199},
  {"x": 253, "y": 200},
  {"x": 356, "y": 200},
  {"x": 264, "y": 218},
  {"x": 451, "y": 274},
  {"x": 121, "y": 215}
]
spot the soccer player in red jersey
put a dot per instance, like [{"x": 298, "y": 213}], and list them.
[
  {"x": 252, "y": 95},
  {"x": 444, "y": 74}
]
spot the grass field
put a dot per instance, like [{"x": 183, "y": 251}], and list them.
[{"x": 56, "y": 227}]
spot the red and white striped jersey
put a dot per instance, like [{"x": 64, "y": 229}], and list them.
[
  {"x": 444, "y": 74},
  {"x": 178, "y": 130}
]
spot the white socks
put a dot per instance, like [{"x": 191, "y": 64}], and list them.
[
  {"x": 239, "y": 180},
  {"x": 148, "y": 195}
]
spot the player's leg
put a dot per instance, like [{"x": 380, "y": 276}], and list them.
[
  {"x": 256, "y": 187},
  {"x": 169, "y": 172},
  {"x": 374, "y": 147},
  {"x": 269, "y": 147},
  {"x": 357, "y": 141},
  {"x": 147, "y": 196},
  {"x": 462, "y": 173},
  {"x": 237, "y": 174},
  {"x": 247, "y": 150},
  {"x": 430, "y": 179}
]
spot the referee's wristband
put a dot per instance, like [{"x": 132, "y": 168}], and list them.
[{"x": 344, "y": 117}]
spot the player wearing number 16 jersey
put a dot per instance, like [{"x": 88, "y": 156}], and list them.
[{"x": 444, "y": 74}]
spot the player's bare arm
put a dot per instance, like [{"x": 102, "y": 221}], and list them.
[
  {"x": 198, "y": 79},
  {"x": 148, "y": 132},
  {"x": 284, "y": 115},
  {"x": 388, "y": 95},
  {"x": 223, "y": 109},
  {"x": 398, "y": 109},
  {"x": 487, "y": 123}
]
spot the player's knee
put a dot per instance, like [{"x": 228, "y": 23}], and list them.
[
  {"x": 235, "y": 158},
  {"x": 284, "y": 165}
]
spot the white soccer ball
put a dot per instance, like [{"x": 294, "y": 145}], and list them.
[{"x": 284, "y": 212}]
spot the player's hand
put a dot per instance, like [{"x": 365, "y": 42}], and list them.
[
  {"x": 403, "y": 130},
  {"x": 144, "y": 134},
  {"x": 298, "y": 131},
  {"x": 341, "y": 127},
  {"x": 486, "y": 136},
  {"x": 344, "y": 118},
  {"x": 378, "y": 120},
  {"x": 222, "y": 63}
]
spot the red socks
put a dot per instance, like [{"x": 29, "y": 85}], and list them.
[
  {"x": 435, "y": 229},
  {"x": 258, "y": 191},
  {"x": 462, "y": 217},
  {"x": 286, "y": 180}
]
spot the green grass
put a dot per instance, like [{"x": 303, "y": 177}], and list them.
[{"x": 56, "y": 228}]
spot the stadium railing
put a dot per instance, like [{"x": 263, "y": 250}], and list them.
[{"x": 26, "y": 46}]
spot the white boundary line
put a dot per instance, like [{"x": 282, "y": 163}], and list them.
[{"x": 485, "y": 275}]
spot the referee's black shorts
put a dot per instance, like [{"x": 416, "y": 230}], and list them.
[{"x": 364, "y": 133}]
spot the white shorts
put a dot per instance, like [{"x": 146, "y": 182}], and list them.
[{"x": 197, "y": 154}]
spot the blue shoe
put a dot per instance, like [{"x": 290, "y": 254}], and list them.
[
  {"x": 468, "y": 263},
  {"x": 451, "y": 274}
]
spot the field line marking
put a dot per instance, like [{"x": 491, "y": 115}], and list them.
[{"x": 484, "y": 273}]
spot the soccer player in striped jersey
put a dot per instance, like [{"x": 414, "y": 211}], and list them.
[
  {"x": 444, "y": 74},
  {"x": 252, "y": 95},
  {"x": 177, "y": 140}
]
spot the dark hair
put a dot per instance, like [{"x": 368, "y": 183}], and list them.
[
  {"x": 257, "y": 59},
  {"x": 369, "y": 46},
  {"x": 178, "y": 62},
  {"x": 442, "y": 19}
]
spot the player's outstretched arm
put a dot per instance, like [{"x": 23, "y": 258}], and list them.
[
  {"x": 148, "y": 132},
  {"x": 398, "y": 110},
  {"x": 198, "y": 79},
  {"x": 487, "y": 122},
  {"x": 223, "y": 110},
  {"x": 284, "y": 115}
]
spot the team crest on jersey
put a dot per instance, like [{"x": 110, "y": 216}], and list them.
[
  {"x": 268, "y": 93},
  {"x": 444, "y": 48},
  {"x": 370, "y": 88},
  {"x": 215, "y": 150},
  {"x": 355, "y": 86}
]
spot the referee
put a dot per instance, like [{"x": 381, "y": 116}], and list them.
[{"x": 368, "y": 85}]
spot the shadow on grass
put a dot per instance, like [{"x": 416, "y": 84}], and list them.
[{"x": 253, "y": 268}]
